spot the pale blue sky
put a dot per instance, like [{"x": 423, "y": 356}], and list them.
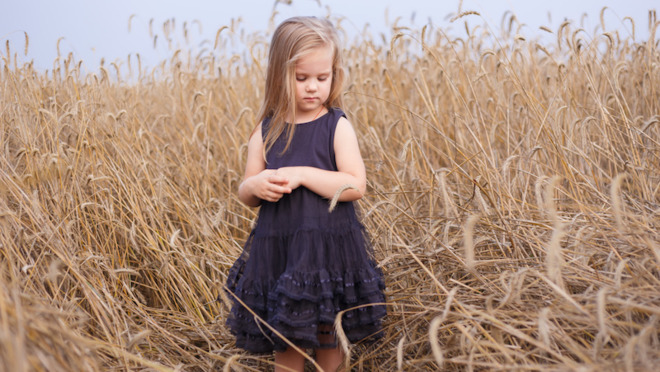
[{"x": 95, "y": 29}]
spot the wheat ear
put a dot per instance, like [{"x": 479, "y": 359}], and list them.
[{"x": 335, "y": 198}]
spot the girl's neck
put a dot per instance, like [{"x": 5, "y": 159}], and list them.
[{"x": 300, "y": 119}]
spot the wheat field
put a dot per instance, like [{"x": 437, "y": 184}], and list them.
[{"x": 513, "y": 201}]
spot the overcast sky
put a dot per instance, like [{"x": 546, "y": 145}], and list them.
[{"x": 95, "y": 29}]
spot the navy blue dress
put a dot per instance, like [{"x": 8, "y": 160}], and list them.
[{"x": 301, "y": 265}]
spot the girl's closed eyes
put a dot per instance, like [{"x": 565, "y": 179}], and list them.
[{"x": 303, "y": 78}]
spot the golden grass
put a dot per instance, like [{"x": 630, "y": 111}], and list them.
[{"x": 513, "y": 202}]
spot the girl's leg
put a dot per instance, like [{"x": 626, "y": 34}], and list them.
[
  {"x": 289, "y": 360},
  {"x": 329, "y": 359}
]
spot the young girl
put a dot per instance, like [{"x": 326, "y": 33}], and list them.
[{"x": 302, "y": 264}]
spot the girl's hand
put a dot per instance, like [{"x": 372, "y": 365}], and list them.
[
  {"x": 294, "y": 176},
  {"x": 268, "y": 185}
]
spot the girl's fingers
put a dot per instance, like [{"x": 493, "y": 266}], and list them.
[
  {"x": 275, "y": 197},
  {"x": 278, "y": 180},
  {"x": 275, "y": 188},
  {"x": 275, "y": 193},
  {"x": 281, "y": 189}
]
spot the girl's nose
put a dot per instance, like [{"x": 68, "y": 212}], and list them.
[{"x": 311, "y": 87}]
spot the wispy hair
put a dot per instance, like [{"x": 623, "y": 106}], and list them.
[{"x": 293, "y": 39}]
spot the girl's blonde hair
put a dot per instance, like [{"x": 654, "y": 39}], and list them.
[{"x": 293, "y": 39}]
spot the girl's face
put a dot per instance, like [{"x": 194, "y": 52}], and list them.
[{"x": 313, "y": 83}]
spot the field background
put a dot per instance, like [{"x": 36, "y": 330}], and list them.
[{"x": 513, "y": 202}]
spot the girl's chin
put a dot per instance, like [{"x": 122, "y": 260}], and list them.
[
  {"x": 310, "y": 110},
  {"x": 309, "y": 105}
]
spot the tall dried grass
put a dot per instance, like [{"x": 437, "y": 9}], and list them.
[{"x": 513, "y": 202}]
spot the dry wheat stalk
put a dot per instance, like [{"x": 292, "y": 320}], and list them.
[{"x": 119, "y": 218}]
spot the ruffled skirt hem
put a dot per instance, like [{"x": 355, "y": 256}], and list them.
[{"x": 297, "y": 304}]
